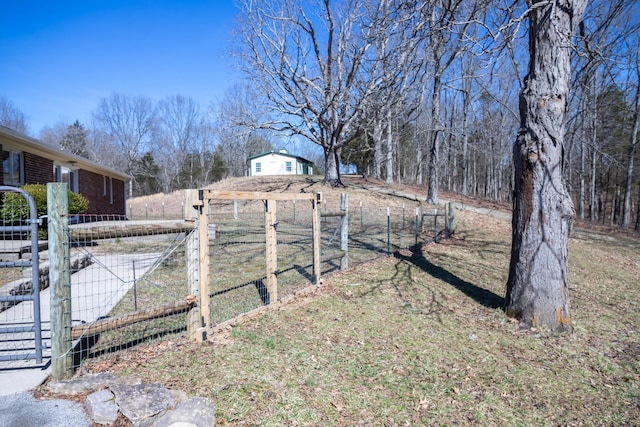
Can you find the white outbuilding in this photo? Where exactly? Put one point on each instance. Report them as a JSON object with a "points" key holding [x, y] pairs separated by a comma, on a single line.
{"points": [[279, 163]]}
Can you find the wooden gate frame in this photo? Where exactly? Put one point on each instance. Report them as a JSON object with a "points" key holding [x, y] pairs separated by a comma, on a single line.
{"points": [[270, 199]]}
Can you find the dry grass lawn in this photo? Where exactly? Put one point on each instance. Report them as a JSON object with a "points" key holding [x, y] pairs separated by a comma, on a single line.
{"points": [[419, 339]]}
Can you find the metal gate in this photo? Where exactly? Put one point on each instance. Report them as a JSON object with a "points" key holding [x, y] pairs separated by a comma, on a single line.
{"points": [[20, 323]]}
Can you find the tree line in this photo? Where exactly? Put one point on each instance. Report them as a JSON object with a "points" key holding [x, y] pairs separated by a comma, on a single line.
{"points": [[406, 91], [427, 92], [164, 146]]}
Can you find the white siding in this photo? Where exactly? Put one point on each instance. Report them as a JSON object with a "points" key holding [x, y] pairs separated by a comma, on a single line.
{"points": [[275, 164]]}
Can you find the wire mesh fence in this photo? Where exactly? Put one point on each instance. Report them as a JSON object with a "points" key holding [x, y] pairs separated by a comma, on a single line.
{"points": [[238, 260], [134, 286], [135, 281]]}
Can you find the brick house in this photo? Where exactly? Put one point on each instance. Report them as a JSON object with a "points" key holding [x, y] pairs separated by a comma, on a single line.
{"points": [[28, 161]]}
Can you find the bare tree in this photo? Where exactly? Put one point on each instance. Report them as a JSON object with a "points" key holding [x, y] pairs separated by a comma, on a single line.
{"points": [[179, 133], [307, 58], [237, 122], [449, 21], [395, 62], [626, 210], [12, 117], [538, 285], [53, 134], [128, 122]]}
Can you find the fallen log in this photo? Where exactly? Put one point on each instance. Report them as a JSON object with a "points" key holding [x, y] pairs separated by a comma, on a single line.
{"points": [[122, 320]]}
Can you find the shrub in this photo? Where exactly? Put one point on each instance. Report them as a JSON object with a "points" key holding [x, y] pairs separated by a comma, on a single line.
{"points": [[15, 208]]}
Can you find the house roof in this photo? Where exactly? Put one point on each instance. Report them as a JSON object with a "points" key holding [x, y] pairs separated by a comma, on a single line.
{"points": [[280, 153], [56, 154]]}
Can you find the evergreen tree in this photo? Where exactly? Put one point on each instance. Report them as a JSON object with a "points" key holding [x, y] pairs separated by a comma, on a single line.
{"points": [[75, 140]]}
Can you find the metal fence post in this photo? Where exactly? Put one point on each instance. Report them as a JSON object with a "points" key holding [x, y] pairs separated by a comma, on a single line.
{"points": [[59, 280], [389, 231], [315, 226], [344, 231], [417, 231]]}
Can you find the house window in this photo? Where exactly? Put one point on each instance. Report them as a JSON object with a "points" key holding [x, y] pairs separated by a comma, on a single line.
{"points": [[289, 167], [66, 175], [12, 168], [258, 167]]}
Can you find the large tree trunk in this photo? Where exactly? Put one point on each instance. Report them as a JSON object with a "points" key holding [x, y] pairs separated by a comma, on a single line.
{"points": [[465, 140], [434, 152], [626, 213], [390, 149], [332, 166], [638, 212], [538, 284], [378, 154]]}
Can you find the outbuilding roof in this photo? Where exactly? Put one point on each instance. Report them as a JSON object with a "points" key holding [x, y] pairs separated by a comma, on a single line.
{"points": [[281, 153]]}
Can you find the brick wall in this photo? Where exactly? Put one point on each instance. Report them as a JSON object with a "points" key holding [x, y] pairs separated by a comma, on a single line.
{"points": [[92, 186], [37, 170]]}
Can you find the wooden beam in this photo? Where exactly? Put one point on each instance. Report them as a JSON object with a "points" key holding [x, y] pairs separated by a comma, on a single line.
{"points": [[257, 195], [116, 229], [123, 320]]}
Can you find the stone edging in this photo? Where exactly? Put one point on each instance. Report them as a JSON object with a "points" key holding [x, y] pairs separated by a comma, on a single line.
{"points": [[143, 405]]}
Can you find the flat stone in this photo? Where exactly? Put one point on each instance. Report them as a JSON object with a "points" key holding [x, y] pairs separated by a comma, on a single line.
{"points": [[101, 407], [194, 412], [140, 403], [88, 383]]}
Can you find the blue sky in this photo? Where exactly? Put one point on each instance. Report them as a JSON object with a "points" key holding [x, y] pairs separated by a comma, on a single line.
{"points": [[59, 58]]}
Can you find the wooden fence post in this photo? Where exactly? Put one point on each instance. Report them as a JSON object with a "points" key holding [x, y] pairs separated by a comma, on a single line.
{"points": [[191, 207], [451, 225], [59, 280], [344, 231], [270, 225], [204, 322]]}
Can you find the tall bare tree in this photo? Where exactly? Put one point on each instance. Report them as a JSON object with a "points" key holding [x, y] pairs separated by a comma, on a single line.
{"points": [[538, 285], [237, 122], [178, 134], [449, 21], [626, 210], [306, 58], [128, 123]]}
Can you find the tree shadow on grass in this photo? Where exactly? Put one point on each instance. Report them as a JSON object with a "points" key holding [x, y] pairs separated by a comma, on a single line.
{"points": [[480, 295]]}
